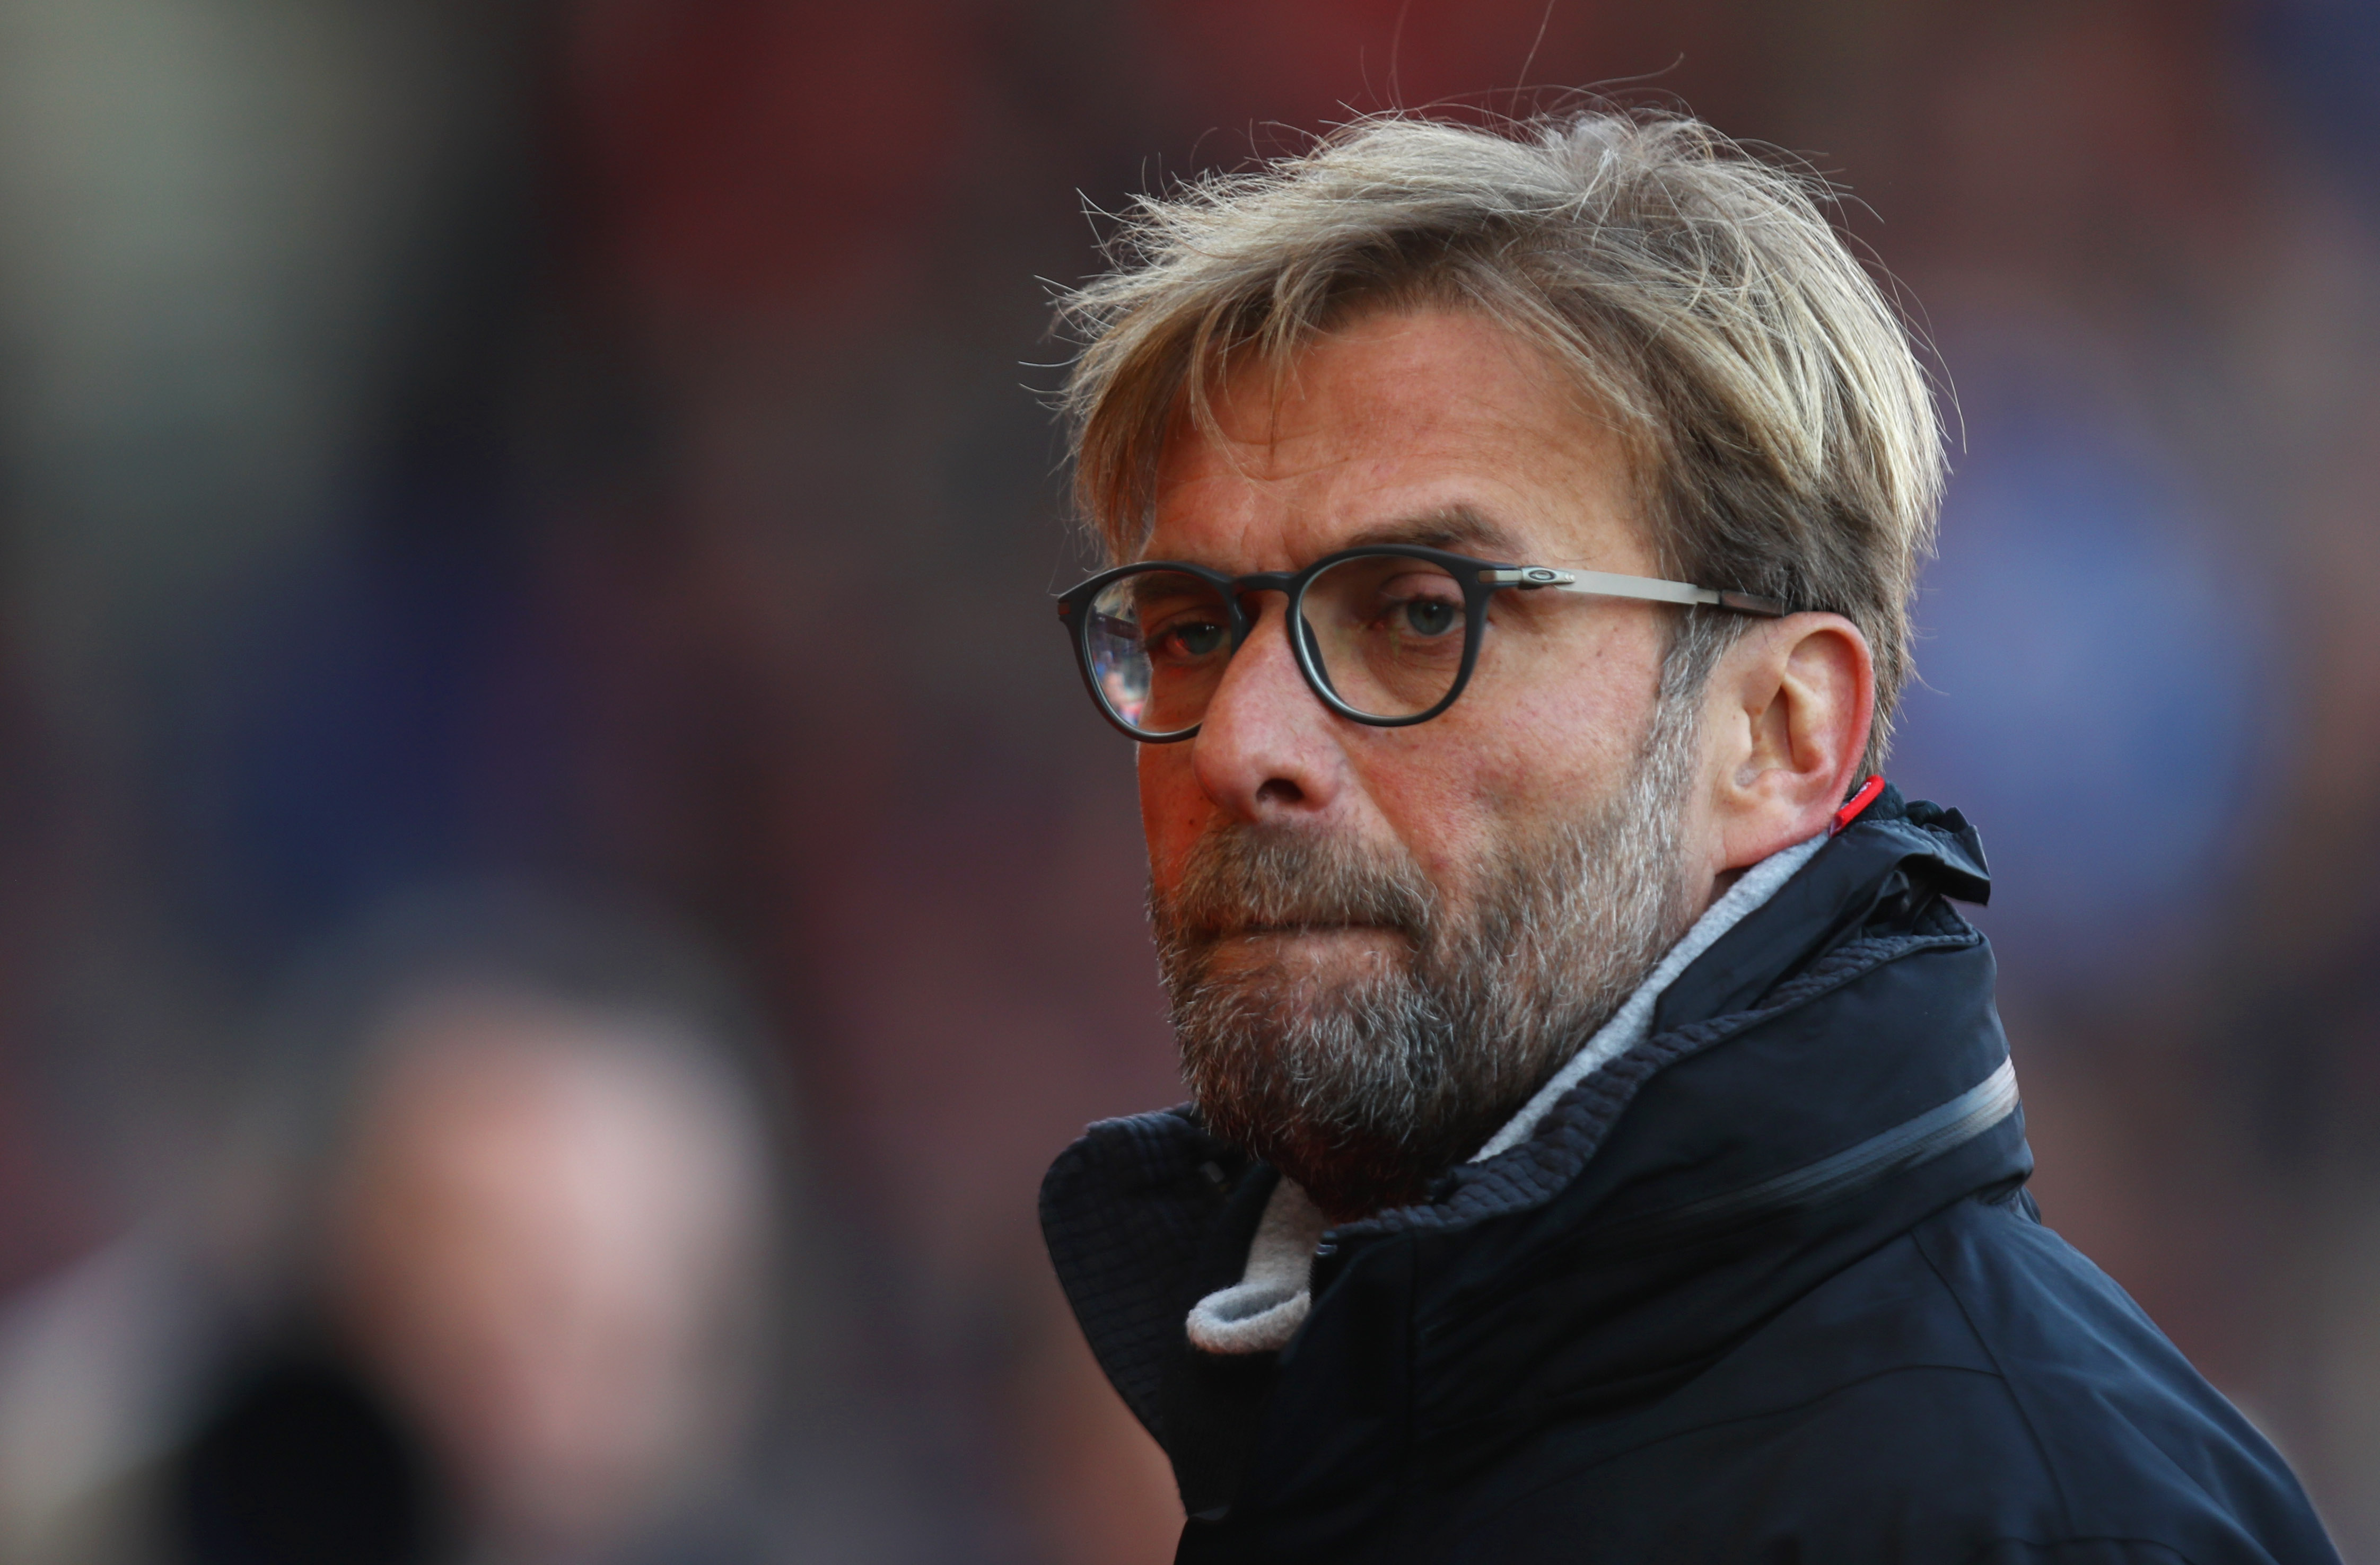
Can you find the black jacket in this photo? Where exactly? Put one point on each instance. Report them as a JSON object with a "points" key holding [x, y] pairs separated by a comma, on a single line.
{"points": [[1765, 1288]]}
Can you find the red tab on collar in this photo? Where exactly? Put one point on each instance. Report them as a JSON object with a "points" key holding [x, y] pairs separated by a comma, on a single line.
{"points": [[1857, 802]]}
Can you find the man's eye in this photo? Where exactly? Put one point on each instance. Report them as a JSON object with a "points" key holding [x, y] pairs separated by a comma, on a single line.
{"points": [[1431, 616], [1186, 639]]}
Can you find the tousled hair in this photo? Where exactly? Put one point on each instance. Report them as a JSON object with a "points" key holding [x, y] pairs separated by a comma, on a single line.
{"points": [[1785, 437]]}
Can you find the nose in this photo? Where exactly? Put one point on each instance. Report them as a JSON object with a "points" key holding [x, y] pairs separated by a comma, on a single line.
{"points": [[1266, 749]]}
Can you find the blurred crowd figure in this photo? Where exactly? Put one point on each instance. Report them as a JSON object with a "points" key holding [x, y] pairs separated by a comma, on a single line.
{"points": [[498, 1265]]}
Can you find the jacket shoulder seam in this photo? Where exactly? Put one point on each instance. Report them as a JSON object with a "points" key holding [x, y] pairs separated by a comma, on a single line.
{"points": [[1983, 1340]]}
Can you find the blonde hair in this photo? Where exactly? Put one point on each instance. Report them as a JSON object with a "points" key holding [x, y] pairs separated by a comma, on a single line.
{"points": [[1785, 437]]}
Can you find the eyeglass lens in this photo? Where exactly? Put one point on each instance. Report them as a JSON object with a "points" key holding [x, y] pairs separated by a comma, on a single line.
{"points": [[1158, 641], [1384, 633]]}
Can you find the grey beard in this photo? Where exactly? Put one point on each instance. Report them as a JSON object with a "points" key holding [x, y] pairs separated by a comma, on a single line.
{"points": [[1366, 1089]]}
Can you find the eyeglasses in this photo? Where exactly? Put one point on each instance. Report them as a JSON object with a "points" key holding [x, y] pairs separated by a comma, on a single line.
{"points": [[1386, 636]]}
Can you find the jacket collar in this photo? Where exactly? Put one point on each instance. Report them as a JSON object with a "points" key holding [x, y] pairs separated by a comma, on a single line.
{"points": [[1657, 1210]]}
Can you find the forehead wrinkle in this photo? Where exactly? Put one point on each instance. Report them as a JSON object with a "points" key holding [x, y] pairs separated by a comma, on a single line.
{"points": [[1358, 456], [1456, 527]]}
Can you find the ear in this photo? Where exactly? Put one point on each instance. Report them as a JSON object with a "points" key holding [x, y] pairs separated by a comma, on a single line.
{"points": [[1790, 708]]}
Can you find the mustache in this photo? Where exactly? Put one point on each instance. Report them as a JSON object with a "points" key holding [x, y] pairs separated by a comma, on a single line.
{"points": [[1251, 878]]}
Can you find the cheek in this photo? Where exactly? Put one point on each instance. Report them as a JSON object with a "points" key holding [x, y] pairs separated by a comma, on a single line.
{"points": [[1558, 732], [1443, 797], [1172, 807], [1453, 797]]}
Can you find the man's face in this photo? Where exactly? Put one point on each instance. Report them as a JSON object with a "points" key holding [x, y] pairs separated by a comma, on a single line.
{"points": [[543, 1223], [1433, 427]]}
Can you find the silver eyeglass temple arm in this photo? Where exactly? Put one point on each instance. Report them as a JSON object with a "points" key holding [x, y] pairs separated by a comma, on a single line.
{"points": [[1603, 584]]}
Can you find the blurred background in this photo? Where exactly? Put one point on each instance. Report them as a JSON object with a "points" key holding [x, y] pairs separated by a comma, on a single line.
{"points": [[532, 1000]]}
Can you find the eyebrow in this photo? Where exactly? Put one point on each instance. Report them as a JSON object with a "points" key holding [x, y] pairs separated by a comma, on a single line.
{"points": [[1454, 527]]}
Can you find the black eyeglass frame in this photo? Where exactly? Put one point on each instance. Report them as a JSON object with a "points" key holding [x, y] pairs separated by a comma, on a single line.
{"points": [[1479, 579]]}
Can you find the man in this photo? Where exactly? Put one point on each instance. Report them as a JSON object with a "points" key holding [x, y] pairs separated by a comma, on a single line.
{"points": [[1603, 1143]]}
